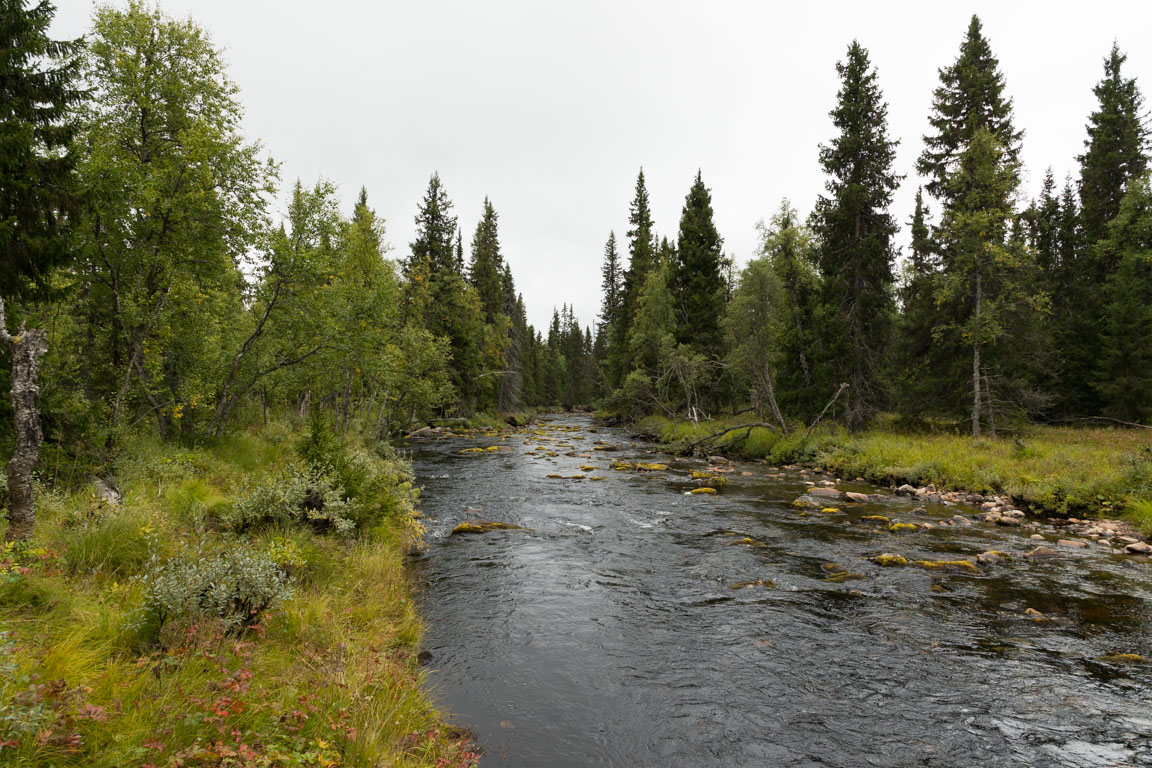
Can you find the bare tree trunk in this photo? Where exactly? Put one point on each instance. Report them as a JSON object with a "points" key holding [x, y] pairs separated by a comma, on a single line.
{"points": [[976, 389], [27, 349]]}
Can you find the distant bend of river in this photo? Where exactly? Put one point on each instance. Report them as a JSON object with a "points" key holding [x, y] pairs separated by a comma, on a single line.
{"points": [[609, 631]]}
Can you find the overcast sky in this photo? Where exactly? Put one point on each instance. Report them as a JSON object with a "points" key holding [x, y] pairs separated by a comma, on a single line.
{"points": [[551, 108]]}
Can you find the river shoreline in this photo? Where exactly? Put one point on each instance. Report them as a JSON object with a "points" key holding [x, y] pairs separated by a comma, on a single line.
{"points": [[1050, 472]]}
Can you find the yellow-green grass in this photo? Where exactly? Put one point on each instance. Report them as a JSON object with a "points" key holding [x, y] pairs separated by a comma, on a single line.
{"points": [[328, 678], [1054, 470]]}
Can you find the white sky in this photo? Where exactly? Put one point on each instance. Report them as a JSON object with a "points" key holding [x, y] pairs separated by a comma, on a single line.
{"points": [[550, 109]]}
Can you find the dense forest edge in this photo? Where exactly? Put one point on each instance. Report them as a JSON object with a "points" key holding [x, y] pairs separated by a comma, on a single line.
{"points": [[206, 522]]}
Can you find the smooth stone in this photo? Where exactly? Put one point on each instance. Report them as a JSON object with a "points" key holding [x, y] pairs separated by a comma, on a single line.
{"points": [[1072, 543], [827, 493], [1041, 552], [988, 558], [859, 497], [1139, 548]]}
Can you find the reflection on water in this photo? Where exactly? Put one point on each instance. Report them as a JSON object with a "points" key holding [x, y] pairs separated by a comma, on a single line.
{"points": [[609, 633]]}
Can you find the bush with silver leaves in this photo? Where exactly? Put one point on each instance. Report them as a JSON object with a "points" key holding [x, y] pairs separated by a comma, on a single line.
{"points": [[236, 585]]}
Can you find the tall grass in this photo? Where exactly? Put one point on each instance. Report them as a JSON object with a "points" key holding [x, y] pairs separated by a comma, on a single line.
{"points": [[1056, 470], [329, 678]]}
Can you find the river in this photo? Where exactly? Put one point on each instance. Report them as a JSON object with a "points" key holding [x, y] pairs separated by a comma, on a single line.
{"points": [[631, 624]]}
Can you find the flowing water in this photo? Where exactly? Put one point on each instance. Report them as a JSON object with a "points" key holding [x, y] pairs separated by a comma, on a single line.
{"points": [[609, 631]]}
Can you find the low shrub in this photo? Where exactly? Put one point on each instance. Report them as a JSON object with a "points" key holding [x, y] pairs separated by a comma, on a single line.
{"points": [[236, 586]]}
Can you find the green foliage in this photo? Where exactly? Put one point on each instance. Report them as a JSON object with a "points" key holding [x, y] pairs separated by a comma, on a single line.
{"points": [[236, 585], [854, 232], [38, 96], [293, 496], [23, 714], [696, 277], [970, 97]]}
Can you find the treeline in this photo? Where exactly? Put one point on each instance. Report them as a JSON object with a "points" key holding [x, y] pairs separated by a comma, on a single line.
{"points": [[1000, 311], [138, 232]]}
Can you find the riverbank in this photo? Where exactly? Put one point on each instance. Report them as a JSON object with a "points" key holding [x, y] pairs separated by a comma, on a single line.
{"points": [[228, 605], [1057, 471]]}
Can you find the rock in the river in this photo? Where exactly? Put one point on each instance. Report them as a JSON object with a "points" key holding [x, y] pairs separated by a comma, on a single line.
{"points": [[827, 493], [1139, 548], [422, 432], [484, 526], [858, 497], [1033, 612], [889, 559], [1072, 543], [990, 557], [1036, 537], [1041, 552], [1128, 539], [906, 490], [698, 491], [1012, 521]]}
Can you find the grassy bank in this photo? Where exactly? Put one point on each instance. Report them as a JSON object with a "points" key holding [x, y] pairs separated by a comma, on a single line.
{"points": [[244, 604], [1052, 470]]}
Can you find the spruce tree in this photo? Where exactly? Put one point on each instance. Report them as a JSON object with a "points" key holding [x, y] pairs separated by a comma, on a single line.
{"points": [[1124, 377], [486, 269], [970, 96], [855, 231], [698, 284], [1116, 151], [610, 284], [641, 252], [37, 95], [435, 231]]}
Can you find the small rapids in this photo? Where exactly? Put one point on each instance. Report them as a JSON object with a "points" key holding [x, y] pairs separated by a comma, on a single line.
{"points": [[631, 624]]}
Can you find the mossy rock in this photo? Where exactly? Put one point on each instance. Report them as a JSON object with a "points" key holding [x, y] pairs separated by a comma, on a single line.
{"points": [[940, 565], [554, 477], [578, 477], [876, 519], [484, 527], [472, 450], [652, 467], [621, 466], [1122, 658], [839, 578], [698, 475], [898, 527], [750, 542], [704, 491], [890, 560], [588, 468], [594, 477], [803, 503], [832, 510], [766, 583]]}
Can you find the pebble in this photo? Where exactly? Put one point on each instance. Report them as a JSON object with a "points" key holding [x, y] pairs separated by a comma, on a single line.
{"points": [[1033, 612], [1036, 537], [1072, 543]]}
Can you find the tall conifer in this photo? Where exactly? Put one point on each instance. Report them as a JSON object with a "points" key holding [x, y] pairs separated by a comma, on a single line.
{"points": [[855, 232], [970, 96], [697, 281]]}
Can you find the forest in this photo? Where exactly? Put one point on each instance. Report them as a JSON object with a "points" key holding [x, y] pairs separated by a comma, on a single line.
{"points": [[157, 311]]}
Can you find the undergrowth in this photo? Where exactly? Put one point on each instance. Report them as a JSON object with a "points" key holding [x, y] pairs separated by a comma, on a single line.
{"points": [[158, 632]]}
